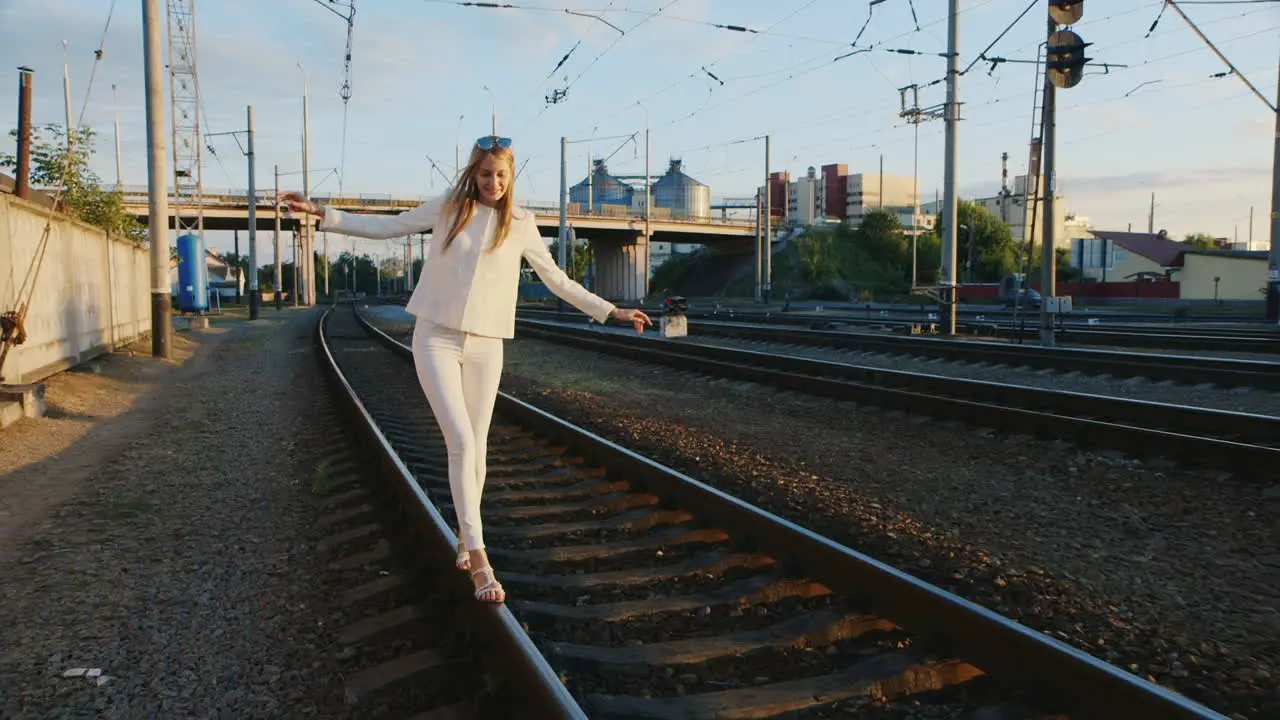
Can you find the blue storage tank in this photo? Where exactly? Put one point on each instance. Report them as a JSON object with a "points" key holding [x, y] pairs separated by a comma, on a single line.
{"points": [[193, 274]]}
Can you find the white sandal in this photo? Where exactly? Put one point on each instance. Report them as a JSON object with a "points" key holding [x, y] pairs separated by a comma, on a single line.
{"points": [[463, 560], [491, 591]]}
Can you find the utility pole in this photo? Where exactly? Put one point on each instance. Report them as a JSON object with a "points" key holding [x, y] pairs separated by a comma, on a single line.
{"points": [[297, 257], [1151, 216], [561, 248], [564, 202], [1273, 257], [119, 165], [307, 240], [648, 201], [951, 117], [760, 243], [279, 276], [157, 190], [235, 234], [22, 183], [66, 92], [255, 296], [1048, 269], [766, 250], [591, 202], [1064, 63]]}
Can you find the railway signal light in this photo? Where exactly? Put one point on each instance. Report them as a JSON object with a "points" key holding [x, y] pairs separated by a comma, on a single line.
{"points": [[1065, 59], [1066, 12]]}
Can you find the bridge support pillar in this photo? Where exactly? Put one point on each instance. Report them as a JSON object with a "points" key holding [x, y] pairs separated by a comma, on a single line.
{"points": [[622, 269]]}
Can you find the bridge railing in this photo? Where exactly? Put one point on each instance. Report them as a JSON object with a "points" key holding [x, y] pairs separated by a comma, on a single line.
{"points": [[137, 194]]}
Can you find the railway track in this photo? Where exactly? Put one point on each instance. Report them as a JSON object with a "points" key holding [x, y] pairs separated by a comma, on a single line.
{"points": [[1167, 336], [1246, 444], [652, 595], [1195, 370]]}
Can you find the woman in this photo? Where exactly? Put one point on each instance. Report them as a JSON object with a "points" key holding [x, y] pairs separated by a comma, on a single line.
{"points": [[465, 303]]}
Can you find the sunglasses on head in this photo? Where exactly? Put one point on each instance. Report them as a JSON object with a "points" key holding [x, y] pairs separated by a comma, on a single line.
{"points": [[489, 141]]}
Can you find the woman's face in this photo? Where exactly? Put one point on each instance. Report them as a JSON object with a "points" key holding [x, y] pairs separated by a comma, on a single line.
{"points": [[493, 178]]}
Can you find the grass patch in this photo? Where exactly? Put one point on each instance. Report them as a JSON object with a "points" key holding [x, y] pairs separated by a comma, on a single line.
{"points": [[323, 479]]}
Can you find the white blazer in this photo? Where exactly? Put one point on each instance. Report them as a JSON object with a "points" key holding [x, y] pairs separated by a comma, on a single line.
{"points": [[469, 287]]}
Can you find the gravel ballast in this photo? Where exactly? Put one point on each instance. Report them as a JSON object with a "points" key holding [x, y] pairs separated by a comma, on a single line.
{"points": [[159, 531], [1166, 572]]}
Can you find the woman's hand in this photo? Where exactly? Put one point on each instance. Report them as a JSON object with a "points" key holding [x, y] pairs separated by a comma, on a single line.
{"points": [[635, 317], [296, 202]]}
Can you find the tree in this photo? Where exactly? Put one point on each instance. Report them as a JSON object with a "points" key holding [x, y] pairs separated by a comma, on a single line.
{"points": [[928, 258], [880, 238], [819, 255], [984, 245], [1200, 241], [578, 262], [82, 195]]}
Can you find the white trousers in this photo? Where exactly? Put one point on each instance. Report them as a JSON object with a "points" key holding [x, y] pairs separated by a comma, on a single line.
{"points": [[459, 373]]}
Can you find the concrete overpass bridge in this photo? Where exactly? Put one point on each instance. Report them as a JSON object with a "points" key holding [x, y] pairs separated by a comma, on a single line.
{"points": [[622, 251]]}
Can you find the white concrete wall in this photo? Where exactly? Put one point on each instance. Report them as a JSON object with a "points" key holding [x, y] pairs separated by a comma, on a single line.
{"points": [[91, 295]]}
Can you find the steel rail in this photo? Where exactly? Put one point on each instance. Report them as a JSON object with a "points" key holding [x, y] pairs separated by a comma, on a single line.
{"points": [[1007, 650], [1207, 339], [1107, 422], [1189, 369], [509, 650]]}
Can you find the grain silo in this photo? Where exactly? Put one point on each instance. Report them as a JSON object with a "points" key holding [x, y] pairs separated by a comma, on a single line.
{"points": [[686, 197], [604, 189]]}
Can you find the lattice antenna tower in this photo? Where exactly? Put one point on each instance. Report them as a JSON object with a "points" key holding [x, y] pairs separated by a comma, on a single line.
{"points": [[184, 100]]}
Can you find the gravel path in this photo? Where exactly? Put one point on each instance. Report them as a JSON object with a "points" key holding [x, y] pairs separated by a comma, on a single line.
{"points": [[1163, 571], [159, 529], [1206, 395]]}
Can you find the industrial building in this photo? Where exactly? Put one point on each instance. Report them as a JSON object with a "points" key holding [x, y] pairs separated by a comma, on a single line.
{"points": [[806, 205], [833, 195]]}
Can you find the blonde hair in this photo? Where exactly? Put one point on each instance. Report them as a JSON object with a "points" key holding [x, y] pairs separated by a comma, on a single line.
{"points": [[466, 194]]}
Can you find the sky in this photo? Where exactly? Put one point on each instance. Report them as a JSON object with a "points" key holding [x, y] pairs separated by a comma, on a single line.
{"points": [[425, 75]]}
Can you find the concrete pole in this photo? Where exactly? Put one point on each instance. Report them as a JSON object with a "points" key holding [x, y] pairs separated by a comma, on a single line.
{"points": [[255, 296], [279, 276], [66, 100], [915, 201], [157, 188], [1273, 257], [759, 243], [648, 204], [564, 201], [235, 234], [952, 118], [766, 242], [296, 259], [22, 183], [119, 162], [1048, 269], [591, 201], [308, 236]]}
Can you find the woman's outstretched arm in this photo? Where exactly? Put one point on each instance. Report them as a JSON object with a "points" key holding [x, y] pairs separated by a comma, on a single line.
{"points": [[376, 227], [566, 288]]}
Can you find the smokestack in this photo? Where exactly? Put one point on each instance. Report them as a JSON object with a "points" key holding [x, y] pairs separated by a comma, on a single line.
{"points": [[23, 180]]}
